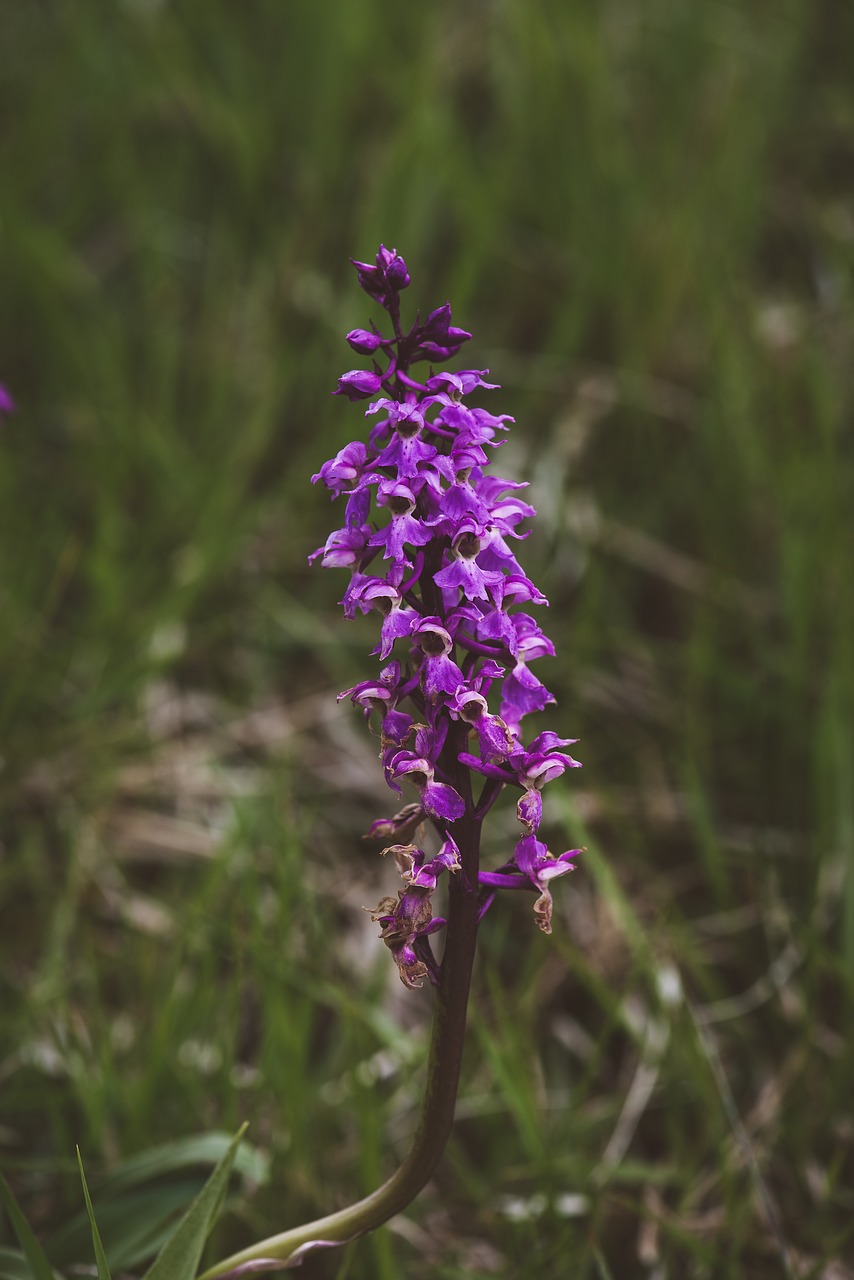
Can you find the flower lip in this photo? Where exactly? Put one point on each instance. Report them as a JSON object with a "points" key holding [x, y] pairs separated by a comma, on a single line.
{"points": [[472, 706], [369, 695], [398, 505], [467, 545], [433, 638], [381, 595], [519, 589], [418, 769], [406, 417], [545, 771]]}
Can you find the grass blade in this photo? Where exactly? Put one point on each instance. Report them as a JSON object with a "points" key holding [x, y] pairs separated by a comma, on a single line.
{"points": [[34, 1253], [100, 1256]]}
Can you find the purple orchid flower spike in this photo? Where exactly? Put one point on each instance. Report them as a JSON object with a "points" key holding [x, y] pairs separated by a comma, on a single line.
{"points": [[428, 539]]}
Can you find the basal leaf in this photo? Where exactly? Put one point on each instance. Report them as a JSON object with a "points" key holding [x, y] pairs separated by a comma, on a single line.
{"points": [[141, 1198], [203, 1149], [133, 1227], [179, 1257]]}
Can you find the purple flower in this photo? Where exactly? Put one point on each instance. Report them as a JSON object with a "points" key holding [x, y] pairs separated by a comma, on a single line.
{"points": [[405, 529], [428, 536], [407, 451], [438, 799], [366, 593], [539, 866], [339, 473], [439, 673], [376, 695], [464, 572], [343, 547], [7, 404], [496, 740]]}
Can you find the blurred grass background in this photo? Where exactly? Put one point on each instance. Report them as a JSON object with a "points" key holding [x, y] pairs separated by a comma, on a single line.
{"points": [[644, 215]]}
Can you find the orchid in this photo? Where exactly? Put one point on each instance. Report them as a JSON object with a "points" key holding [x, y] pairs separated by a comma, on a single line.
{"points": [[427, 536]]}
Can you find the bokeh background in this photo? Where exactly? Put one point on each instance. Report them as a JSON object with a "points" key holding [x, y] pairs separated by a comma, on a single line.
{"points": [[644, 214]]}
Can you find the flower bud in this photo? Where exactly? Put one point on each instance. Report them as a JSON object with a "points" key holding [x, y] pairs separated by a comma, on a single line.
{"points": [[364, 341], [358, 384], [371, 278], [397, 274]]}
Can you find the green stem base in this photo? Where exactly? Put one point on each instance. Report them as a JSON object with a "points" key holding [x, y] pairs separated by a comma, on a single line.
{"points": [[443, 1074]]}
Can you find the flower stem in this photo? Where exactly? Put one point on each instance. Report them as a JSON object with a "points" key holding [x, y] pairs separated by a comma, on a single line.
{"points": [[443, 1074]]}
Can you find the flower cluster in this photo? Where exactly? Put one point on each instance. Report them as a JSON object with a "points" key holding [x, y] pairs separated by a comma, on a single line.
{"points": [[437, 564]]}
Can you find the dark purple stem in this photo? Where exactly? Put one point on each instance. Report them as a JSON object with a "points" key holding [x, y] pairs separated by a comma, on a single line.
{"points": [[491, 791]]}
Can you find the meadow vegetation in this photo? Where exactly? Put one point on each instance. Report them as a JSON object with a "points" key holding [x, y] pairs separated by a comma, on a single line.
{"points": [[643, 214]]}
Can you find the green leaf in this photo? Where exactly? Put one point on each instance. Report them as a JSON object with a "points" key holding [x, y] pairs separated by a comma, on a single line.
{"points": [[203, 1149], [140, 1200], [179, 1257], [100, 1256], [39, 1266], [133, 1227]]}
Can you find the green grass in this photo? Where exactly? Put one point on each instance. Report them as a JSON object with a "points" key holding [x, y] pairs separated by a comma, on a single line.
{"points": [[643, 215]]}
